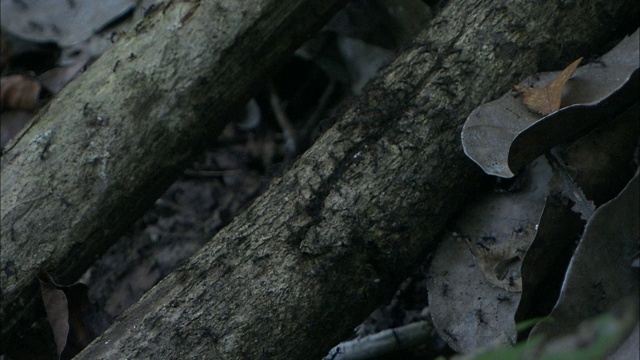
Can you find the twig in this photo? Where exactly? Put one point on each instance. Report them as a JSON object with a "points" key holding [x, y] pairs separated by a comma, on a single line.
{"points": [[322, 102], [571, 190], [384, 342], [287, 129]]}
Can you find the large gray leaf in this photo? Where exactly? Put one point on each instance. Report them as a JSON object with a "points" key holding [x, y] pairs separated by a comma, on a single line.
{"points": [[474, 281], [500, 226], [468, 312], [601, 271], [504, 135], [600, 162], [571, 122], [548, 256], [61, 21]]}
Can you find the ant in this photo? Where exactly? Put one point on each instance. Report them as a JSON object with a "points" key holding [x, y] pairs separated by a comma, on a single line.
{"points": [[480, 316], [482, 246], [512, 280], [445, 289], [488, 238], [449, 334]]}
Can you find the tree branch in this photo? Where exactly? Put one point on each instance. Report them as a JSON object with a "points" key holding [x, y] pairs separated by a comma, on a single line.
{"points": [[98, 155], [333, 237]]}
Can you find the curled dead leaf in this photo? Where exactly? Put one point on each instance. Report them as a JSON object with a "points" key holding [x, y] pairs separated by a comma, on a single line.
{"points": [[572, 122], [547, 258], [67, 310], [599, 162], [504, 135], [57, 308], [600, 272]]}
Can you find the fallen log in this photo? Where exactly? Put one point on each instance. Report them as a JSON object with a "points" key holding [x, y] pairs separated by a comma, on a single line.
{"points": [[333, 237], [98, 156]]}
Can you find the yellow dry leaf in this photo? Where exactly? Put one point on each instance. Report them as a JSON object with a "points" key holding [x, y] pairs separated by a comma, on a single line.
{"points": [[546, 100]]}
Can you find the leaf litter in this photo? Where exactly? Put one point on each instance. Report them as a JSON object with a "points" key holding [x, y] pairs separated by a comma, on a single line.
{"points": [[570, 284], [483, 278], [197, 205], [471, 275], [70, 315], [504, 135], [499, 270], [601, 271], [48, 21]]}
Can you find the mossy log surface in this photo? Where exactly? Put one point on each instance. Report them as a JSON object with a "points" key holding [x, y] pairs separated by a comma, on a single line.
{"points": [[98, 156], [332, 238]]}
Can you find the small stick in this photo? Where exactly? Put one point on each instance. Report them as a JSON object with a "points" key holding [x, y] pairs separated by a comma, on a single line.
{"points": [[287, 129]]}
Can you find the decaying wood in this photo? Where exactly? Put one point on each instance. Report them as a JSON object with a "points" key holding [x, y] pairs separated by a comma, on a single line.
{"points": [[332, 237], [99, 155]]}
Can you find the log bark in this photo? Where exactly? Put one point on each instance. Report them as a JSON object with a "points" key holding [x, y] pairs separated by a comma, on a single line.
{"points": [[334, 235], [98, 156]]}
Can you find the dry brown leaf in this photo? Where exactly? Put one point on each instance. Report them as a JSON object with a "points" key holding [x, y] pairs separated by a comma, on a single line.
{"points": [[504, 135], [19, 92], [57, 308], [546, 100], [66, 308]]}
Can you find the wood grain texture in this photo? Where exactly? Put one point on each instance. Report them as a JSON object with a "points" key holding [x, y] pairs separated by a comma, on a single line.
{"points": [[113, 140], [332, 238]]}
